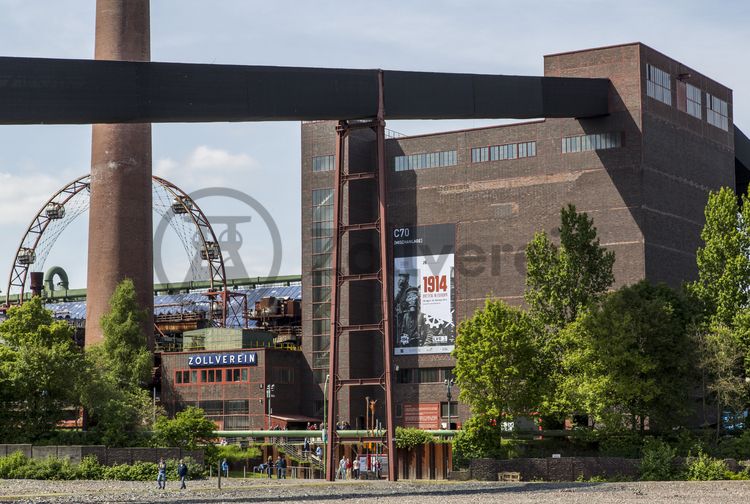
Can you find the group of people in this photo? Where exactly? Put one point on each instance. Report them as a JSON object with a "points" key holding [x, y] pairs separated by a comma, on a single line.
{"points": [[348, 469], [161, 474], [269, 465]]}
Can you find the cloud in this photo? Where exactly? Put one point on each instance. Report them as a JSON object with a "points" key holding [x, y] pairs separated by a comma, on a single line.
{"points": [[21, 196], [205, 167]]}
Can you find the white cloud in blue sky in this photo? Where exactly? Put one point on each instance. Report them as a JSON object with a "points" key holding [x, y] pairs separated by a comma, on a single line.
{"points": [[262, 159]]}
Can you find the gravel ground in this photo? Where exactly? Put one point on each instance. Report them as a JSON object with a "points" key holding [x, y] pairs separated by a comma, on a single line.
{"points": [[257, 491]]}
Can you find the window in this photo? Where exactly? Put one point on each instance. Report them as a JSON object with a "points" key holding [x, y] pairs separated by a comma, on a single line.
{"points": [[236, 422], [212, 407], [453, 409], [717, 112], [182, 377], [502, 152], [658, 84], [322, 163], [693, 97], [429, 375], [425, 160], [594, 141], [236, 407], [322, 245], [229, 374], [424, 375], [399, 410], [480, 154]]}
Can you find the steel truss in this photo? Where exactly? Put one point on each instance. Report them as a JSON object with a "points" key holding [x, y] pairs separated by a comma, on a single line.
{"points": [[381, 274]]}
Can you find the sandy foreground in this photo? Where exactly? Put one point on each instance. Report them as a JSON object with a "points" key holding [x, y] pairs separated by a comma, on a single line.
{"points": [[258, 490]]}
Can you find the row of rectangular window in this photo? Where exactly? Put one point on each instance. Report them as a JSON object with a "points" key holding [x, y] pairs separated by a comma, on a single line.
{"points": [[190, 376], [322, 163], [502, 152], [425, 160], [218, 407], [424, 375], [593, 141], [689, 98]]}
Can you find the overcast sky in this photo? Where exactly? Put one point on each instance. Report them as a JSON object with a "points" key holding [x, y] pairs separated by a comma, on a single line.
{"points": [[262, 159]]}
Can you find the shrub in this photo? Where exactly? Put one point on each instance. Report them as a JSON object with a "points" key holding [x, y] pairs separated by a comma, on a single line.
{"points": [[705, 468], [409, 438], [232, 453], [657, 463], [478, 439], [17, 466], [89, 468], [13, 466], [620, 444], [735, 447]]}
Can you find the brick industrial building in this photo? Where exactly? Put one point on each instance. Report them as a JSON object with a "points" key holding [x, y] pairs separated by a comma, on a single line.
{"points": [[467, 202]]}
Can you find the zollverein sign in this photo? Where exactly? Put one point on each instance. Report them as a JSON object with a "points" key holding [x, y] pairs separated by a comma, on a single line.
{"points": [[223, 359]]}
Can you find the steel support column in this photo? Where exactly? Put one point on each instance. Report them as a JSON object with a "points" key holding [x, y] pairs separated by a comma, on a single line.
{"points": [[381, 273]]}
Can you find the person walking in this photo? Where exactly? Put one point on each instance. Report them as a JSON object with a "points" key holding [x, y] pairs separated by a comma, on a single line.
{"points": [[348, 468], [161, 474], [355, 468], [225, 468], [319, 452], [182, 472], [269, 468], [278, 467], [342, 468], [283, 468]]}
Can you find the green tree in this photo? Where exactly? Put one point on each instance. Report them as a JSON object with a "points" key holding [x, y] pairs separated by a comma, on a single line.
{"points": [[561, 280], [630, 355], [721, 362], [40, 370], [118, 406], [723, 285], [125, 344], [188, 429], [500, 366]]}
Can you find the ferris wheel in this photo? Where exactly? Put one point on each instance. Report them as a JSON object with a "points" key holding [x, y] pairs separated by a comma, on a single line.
{"points": [[184, 216]]}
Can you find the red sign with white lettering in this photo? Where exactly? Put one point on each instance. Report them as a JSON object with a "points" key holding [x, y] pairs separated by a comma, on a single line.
{"points": [[422, 415]]}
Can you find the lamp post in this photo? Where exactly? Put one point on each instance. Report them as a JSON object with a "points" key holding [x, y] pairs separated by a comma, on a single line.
{"points": [[448, 386], [269, 394]]}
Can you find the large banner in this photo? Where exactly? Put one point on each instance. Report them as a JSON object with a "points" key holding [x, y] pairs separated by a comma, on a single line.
{"points": [[424, 300]]}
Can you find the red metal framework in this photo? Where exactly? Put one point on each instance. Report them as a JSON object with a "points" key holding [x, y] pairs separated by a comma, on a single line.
{"points": [[26, 252], [210, 249], [209, 246], [382, 274]]}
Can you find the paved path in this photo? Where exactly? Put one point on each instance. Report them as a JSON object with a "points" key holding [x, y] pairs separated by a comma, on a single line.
{"points": [[274, 491]]}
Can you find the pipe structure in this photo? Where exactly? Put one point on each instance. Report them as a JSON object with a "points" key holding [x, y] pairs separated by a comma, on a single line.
{"points": [[120, 224], [345, 434]]}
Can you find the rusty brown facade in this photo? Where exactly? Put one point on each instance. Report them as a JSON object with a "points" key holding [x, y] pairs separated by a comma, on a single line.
{"points": [[234, 394], [643, 173]]}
